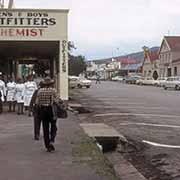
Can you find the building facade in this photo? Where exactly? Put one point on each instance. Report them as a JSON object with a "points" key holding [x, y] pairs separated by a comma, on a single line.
{"points": [[39, 34], [169, 55]]}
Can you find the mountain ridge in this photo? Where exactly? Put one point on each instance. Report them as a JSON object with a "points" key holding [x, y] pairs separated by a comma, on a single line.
{"points": [[138, 56]]}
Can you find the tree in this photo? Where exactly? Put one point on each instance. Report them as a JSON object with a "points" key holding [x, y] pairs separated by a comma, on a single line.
{"points": [[77, 64]]}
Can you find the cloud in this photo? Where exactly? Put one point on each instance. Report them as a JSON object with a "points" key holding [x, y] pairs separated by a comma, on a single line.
{"points": [[99, 27], [47, 4]]}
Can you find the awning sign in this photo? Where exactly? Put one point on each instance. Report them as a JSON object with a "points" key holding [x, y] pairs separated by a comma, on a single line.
{"points": [[29, 24]]}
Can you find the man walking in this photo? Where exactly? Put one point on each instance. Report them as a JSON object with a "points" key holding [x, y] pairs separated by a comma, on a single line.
{"points": [[98, 79], [46, 97]]}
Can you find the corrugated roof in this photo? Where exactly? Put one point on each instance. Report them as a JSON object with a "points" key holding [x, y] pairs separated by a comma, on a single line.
{"points": [[126, 60], [132, 66], [173, 42]]}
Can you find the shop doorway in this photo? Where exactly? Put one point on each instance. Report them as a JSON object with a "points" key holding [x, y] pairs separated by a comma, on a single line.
{"points": [[21, 58]]}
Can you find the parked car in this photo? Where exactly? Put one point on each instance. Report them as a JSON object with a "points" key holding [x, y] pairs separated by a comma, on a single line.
{"points": [[160, 81], [73, 81], [149, 81], [140, 81], [83, 82], [132, 79], [146, 81], [117, 78], [172, 82]]}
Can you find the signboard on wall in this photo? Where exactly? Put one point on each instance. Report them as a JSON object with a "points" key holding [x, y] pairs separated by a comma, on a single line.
{"points": [[33, 24]]}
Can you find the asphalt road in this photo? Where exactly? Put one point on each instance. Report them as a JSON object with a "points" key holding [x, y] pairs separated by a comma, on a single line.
{"points": [[148, 116]]}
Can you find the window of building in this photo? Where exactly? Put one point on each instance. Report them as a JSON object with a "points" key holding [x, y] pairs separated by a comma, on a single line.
{"points": [[169, 72], [175, 71]]}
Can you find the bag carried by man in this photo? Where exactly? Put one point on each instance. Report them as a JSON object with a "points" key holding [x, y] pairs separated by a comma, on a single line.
{"points": [[60, 109]]}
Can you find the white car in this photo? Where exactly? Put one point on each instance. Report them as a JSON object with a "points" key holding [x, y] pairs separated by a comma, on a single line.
{"points": [[140, 81], [146, 81], [73, 81], [83, 82], [172, 82], [160, 81], [117, 78]]}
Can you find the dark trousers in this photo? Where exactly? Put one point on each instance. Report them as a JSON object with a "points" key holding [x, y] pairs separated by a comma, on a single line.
{"points": [[49, 124], [12, 104], [37, 126], [20, 108], [98, 81]]}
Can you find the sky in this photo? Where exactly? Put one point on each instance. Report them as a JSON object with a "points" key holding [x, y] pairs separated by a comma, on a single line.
{"points": [[106, 28]]}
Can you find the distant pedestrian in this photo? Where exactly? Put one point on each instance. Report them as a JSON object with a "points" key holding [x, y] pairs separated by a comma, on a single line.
{"points": [[2, 92], [30, 87], [46, 97], [19, 95], [98, 79], [35, 109], [11, 91]]}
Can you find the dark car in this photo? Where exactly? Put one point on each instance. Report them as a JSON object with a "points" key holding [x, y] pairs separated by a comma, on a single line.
{"points": [[132, 79]]}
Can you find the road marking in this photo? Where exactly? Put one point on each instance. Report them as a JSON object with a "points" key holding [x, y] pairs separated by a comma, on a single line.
{"points": [[161, 145], [138, 107], [125, 103], [133, 114], [149, 124]]}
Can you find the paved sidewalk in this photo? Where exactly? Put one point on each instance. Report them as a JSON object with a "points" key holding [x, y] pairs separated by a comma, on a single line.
{"points": [[22, 158]]}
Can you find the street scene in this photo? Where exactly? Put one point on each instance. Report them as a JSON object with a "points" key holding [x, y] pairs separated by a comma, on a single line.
{"points": [[89, 90], [147, 116]]}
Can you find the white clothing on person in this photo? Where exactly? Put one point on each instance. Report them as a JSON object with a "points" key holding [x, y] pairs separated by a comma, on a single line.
{"points": [[30, 87], [11, 90], [19, 96], [2, 90]]}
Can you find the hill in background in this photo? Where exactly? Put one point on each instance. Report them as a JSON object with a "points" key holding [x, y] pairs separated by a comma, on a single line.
{"points": [[138, 56]]}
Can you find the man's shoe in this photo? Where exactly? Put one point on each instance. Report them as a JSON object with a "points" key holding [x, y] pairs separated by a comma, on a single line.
{"points": [[51, 148], [36, 138]]}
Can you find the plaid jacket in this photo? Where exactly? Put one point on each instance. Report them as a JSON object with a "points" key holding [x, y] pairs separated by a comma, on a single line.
{"points": [[46, 96]]}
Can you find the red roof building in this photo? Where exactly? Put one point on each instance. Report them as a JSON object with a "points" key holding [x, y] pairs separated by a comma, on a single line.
{"points": [[169, 55]]}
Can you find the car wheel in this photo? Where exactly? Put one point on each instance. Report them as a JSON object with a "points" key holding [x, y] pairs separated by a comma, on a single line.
{"points": [[87, 86], [165, 87], [79, 86]]}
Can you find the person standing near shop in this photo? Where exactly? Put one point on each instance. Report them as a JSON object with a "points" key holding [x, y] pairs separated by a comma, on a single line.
{"points": [[46, 97], [2, 92], [30, 87], [10, 97], [19, 95]]}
